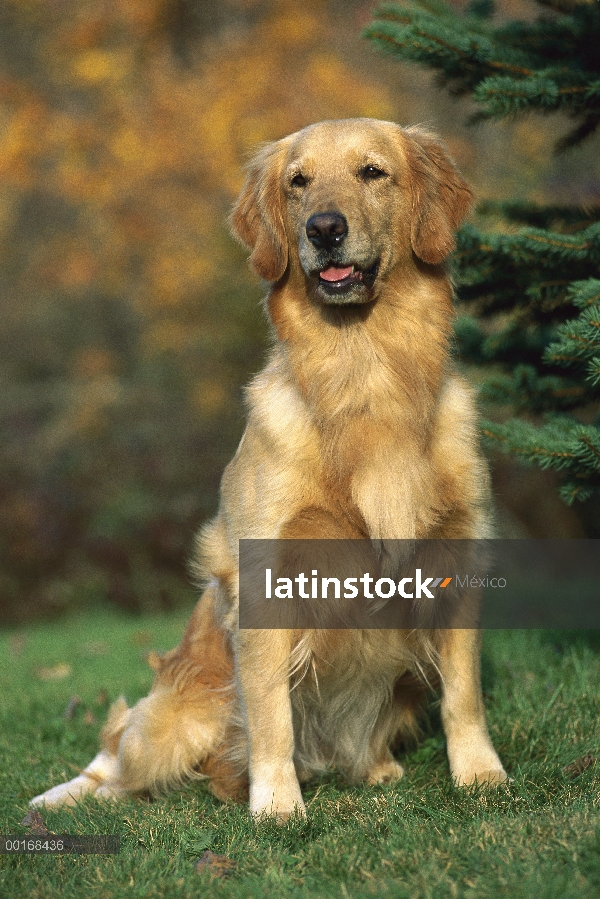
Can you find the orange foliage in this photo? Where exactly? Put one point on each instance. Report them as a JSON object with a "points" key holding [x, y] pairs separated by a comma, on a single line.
{"points": [[130, 315], [148, 151]]}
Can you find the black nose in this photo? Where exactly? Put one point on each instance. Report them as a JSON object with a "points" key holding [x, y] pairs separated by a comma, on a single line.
{"points": [[326, 230]]}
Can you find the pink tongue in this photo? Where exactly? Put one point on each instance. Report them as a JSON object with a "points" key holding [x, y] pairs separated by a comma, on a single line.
{"points": [[336, 274]]}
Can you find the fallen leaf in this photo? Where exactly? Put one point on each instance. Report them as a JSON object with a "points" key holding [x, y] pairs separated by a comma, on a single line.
{"points": [[141, 638], [34, 821], [89, 718], [579, 766], [102, 697], [54, 672], [217, 865]]}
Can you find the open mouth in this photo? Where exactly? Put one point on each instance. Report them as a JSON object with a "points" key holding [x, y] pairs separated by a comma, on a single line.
{"points": [[336, 280]]}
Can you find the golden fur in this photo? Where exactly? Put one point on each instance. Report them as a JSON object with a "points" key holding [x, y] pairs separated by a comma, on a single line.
{"points": [[357, 427]]}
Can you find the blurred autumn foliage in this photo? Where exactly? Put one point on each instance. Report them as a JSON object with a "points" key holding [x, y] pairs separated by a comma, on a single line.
{"points": [[129, 317]]}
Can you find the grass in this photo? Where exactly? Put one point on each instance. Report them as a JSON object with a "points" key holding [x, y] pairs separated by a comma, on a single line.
{"points": [[537, 838]]}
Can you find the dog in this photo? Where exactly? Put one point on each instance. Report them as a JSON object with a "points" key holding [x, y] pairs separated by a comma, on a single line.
{"points": [[358, 428]]}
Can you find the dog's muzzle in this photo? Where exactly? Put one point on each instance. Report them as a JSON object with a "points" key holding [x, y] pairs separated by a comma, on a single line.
{"points": [[339, 280]]}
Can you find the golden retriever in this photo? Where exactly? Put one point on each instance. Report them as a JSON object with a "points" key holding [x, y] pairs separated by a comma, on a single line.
{"points": [[358, 427]]}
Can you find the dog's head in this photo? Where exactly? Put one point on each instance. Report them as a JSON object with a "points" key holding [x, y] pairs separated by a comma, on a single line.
{"points": [[342, 203]]}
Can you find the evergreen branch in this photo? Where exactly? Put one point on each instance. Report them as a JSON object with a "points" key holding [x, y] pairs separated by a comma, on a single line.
{"points": [[551, 217], [593, 371], [503, 345], [577, 135], [525, 389], [506, 68], [548, 295], [440, 42], [578, 339], [570, 491], [542, 452], [593, 449], [530, 246], [509, 67], [524, 442], [505, 96], [413, 41], [556, 242], [534, 291], [569, 37], [561, 444], [585, 293]]}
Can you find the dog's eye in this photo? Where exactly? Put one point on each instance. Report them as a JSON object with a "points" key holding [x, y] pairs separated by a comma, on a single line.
{"points": [[298, 180], [372, 172]]}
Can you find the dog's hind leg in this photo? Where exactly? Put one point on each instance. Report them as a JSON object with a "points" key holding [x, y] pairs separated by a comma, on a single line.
{"points": [[102, 771], [180, 728]]}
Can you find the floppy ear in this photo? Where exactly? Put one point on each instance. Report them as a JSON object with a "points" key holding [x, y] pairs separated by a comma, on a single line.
{"points": [[441, 198], [257, 217]]}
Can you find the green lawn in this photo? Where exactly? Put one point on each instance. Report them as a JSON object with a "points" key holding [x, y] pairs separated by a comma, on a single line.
{"points": [[537, 838]]}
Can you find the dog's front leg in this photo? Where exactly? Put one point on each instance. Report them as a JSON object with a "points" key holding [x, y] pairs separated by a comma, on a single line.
{"points": [[470, 752], [262, 659]]}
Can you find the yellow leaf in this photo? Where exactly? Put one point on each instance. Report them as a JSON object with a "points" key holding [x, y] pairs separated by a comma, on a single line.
{"points": [[96, 65], [55, 672]]}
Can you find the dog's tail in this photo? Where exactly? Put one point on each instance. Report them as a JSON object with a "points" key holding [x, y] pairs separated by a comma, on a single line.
{"points": [[173, 732]]}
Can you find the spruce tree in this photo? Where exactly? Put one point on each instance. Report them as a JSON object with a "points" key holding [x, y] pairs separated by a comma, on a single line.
{"points": [[531, 286]]}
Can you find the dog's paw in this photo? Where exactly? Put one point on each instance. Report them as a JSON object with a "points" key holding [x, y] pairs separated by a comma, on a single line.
{"points": [[473, 760], [100, 777], [281, 814], [385, 772], [277, 797], [483, 777], [279, 807], [69, 793]]}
